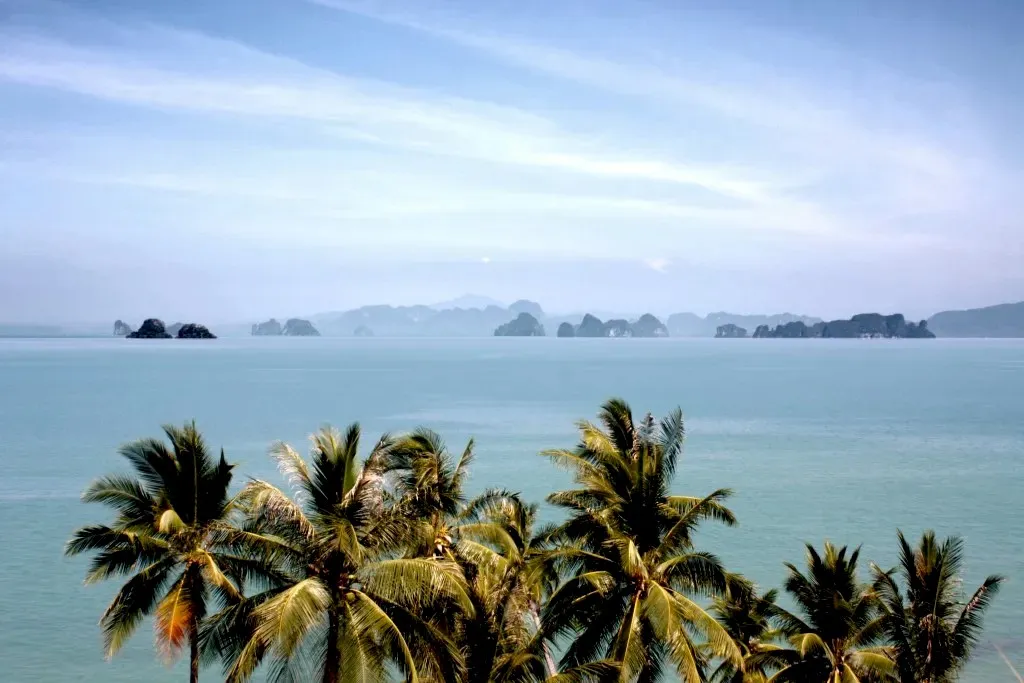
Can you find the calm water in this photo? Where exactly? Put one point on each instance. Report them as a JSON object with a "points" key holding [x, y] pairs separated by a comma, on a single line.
{"points": [[819, 439]]}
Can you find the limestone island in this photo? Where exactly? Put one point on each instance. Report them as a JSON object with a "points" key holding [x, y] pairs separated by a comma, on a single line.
{"points": [[730, 331], [524, 325], [121, 328], [194, 331], [861, 326], [293, 327], [153, 328], [646, 325]]}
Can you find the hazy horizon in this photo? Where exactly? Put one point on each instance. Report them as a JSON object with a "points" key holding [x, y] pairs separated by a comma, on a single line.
{"points": [[228, 160]]}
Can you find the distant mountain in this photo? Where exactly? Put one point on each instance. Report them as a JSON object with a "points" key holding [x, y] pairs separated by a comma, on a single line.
{"points": [[592, 326], [424, 321], [1004, 320], [525, 325], [692, 325], [860, 326], [469, 301]]}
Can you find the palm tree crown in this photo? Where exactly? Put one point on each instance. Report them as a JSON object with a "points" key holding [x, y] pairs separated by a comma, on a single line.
{"points": [[931, 626], [340, 600], [169, 518], [836, 637], [627, 552], [752, 622]]}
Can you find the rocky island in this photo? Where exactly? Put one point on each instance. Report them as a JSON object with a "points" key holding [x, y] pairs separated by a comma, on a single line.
{"points": [[362, 331], [861, 326], [524, 325], [121, 328], [194, 331], [646, 325], [152, 328], [297, 327], [271, 328], [293, 327], [590, 327], [730, 331]]}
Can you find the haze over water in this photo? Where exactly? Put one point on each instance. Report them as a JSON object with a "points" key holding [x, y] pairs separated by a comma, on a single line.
{"points": [[831, 439]]}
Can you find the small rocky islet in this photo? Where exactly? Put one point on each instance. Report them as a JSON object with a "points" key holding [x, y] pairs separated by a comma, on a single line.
{"points": [[154, 328], [293, 327]]}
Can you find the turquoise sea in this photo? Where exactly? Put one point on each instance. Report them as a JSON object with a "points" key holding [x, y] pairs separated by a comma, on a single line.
{"points": [[845, 440]]}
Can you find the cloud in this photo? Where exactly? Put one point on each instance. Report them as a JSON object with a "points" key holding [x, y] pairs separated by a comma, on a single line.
{"points": [[659, 265], [257, 84], [394, 154], [833, 131]]}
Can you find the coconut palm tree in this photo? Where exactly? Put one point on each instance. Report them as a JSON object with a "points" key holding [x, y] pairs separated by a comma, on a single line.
{"points": [[752, 622], [496, 544], [429, 489], [932, 628], [490, 537], [343, 601], [627, 553], [169, 517], [837, 636]]}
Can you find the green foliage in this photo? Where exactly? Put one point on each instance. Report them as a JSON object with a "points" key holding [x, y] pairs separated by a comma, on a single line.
{"points": [[339, 600], [382, 568], [168, 518], [627, 555], [931, 626], [838, 635]]}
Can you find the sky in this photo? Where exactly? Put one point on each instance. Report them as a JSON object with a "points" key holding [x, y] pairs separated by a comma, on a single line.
{"points": [[236, 159]]}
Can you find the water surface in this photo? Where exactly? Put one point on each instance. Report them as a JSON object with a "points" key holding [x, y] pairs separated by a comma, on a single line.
{"points": [[838, 439]]}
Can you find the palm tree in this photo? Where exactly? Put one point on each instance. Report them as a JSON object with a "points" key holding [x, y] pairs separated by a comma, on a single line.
{"points": [[628, 557], [429, 489], [930, 625], [342, 600], [490, 537], [169, 517], [498, 548], [836, 639], [752, 622]]}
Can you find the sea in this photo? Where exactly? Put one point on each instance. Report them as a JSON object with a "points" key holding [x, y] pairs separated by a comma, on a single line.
{"points": [[845, 440]]}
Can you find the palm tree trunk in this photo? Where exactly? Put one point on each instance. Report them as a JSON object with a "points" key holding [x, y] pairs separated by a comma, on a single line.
{"points": [[332, 662], [549, 661], [193, 655]]}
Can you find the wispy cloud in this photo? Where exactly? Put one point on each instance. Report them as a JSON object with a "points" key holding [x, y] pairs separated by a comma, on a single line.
{"points": [[265, 85], [835, 133], [816, 171]]}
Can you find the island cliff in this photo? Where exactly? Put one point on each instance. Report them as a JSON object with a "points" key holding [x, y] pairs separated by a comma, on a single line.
{"points": [[297, 327], [293, 327], [194, 331], [152, 328], [730, 331], [525, 325], [271, 328], [646, 325], [861, 326]]}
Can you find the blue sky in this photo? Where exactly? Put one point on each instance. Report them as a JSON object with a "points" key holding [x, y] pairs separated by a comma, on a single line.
{"points": [[241, 159]]}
